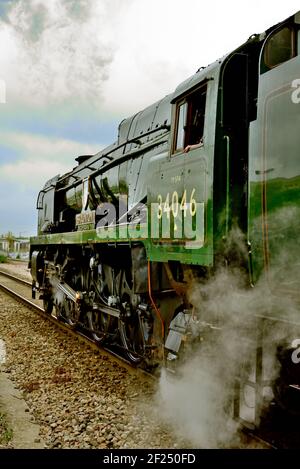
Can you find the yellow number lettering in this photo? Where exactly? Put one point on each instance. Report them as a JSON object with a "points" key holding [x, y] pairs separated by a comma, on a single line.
{"points": [[175, 204], [183, 206], [167, 206], [193, 204], [159, 211]]}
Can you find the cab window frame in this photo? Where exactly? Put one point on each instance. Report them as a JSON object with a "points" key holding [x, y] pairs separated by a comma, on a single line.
{"points": [[266, 64], [188, 100], [179, 105]]}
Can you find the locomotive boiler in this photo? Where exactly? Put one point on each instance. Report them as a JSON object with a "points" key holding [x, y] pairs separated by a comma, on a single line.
{"points": [[125, 235]]}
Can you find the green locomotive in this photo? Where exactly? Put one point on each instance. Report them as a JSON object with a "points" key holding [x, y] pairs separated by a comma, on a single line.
{"points": [[207, 177]]}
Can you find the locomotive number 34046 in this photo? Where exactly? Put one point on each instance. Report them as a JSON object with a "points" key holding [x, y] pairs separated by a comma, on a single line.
{"points": [[172, 204]]}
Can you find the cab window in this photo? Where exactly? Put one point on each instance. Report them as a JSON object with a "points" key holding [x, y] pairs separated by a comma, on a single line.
{"points": [[279, 48], [189, 119]]}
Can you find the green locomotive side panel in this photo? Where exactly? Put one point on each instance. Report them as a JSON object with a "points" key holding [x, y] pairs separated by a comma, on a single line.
{"points": [[274, 174], [181, 209], [180, 186]]}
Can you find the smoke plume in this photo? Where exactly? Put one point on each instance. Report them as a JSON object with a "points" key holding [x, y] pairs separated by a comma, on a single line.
{"points": [[198, 401]]}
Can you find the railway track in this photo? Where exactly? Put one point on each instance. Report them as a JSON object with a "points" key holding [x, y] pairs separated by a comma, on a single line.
{"points": [[20, 290], [81, 395], [23, 294], [9, 281]]}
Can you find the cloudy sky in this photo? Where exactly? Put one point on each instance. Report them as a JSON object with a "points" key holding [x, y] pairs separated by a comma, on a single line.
{"points": [[71, 70]]}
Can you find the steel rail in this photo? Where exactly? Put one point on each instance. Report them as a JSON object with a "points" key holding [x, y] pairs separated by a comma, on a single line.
{"points": [[14, 277]]}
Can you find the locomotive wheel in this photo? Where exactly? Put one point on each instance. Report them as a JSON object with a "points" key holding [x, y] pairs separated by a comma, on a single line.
{"points": [[129, 325], [71, 314], [130, 334], [60, 311], [65, 311], [98, 324], [48, 305]]}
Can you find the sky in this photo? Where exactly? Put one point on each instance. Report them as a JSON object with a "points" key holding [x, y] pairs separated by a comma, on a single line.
{"points": [[71, 70]]}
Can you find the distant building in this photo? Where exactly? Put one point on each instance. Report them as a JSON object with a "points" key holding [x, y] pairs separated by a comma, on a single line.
{"points": [[21, 245], [4, 244], [14, 245]]}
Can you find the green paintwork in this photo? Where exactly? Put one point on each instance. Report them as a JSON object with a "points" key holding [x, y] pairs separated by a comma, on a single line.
{"points": [[274, 170], [189, 172]]}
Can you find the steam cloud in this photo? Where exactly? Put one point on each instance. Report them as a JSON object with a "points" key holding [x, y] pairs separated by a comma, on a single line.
{"points": [[56, 50], [198, 401]]}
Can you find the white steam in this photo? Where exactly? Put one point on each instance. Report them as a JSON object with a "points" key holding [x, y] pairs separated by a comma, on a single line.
{"points": [[198, 401], [56, 50]]}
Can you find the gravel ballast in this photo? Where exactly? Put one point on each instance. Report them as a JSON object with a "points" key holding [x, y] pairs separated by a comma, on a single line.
{"points": [[18, 268], [80, 397]]}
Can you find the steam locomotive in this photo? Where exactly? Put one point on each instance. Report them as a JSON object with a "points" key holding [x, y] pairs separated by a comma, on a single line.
{"points": [[124, 236]]}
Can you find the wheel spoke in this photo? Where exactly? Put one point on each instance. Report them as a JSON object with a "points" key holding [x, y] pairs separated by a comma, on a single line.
{"points": [[68, 311], [48, 305], [98, 324], [129, 325], [71, 312]]}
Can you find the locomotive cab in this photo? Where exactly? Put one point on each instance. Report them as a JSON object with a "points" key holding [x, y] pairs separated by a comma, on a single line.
{"points": [[46, 206]]}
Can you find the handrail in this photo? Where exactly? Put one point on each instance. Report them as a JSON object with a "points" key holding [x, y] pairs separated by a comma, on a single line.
{"points": [[114, 162], [106, 155], [227, 138]]}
